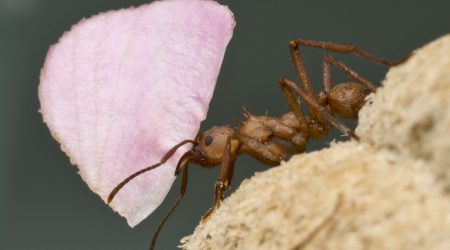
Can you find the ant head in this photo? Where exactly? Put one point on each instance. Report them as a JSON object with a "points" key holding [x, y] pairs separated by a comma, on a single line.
{"points": [[211, 145]]}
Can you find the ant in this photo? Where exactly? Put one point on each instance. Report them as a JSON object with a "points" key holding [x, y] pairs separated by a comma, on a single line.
{"points": [[255, 136]]}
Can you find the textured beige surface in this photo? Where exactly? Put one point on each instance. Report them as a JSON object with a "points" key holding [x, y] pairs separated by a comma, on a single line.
{"points": [[410, 114], [381, 193], [385, 204]]}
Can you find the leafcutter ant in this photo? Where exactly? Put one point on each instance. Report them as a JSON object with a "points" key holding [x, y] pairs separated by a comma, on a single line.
{"points": [[255, 135]]}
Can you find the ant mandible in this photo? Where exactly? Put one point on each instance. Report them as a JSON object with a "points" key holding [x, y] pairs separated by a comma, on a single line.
{"points": [[220, 145]]}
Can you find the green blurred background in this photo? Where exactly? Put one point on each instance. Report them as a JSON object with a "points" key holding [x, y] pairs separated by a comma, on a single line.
{"points": [[44, 204]]}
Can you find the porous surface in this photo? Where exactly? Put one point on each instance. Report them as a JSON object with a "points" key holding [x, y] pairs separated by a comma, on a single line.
{"points": [[410, 114], [379, 193], [384, 204]]}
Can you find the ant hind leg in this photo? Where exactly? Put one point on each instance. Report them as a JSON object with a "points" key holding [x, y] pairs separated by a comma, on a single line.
{"points": [[344, 48], [330, 60], [314, 105]]}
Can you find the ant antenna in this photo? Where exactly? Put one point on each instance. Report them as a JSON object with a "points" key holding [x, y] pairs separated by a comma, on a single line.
{"points": [[182, 165], [163, 160]]}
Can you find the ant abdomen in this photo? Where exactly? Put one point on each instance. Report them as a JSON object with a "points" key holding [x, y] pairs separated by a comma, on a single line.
{"points": [[346, 99]]}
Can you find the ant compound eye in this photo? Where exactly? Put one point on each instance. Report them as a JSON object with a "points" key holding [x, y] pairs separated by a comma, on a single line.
{"points": [[208, 140]]}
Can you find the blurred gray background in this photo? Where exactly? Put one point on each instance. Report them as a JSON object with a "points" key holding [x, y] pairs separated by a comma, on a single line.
{"points": [[44, 204]]}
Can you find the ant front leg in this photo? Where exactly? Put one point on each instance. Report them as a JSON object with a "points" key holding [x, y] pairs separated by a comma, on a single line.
{"points": [[225, 176]]}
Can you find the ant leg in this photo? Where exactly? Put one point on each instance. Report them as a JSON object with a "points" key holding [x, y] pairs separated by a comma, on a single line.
{"points": [[314, 105], [265, 127], [327, 85], [225, 176], [313, 126], [346, 98], [294, 104], [344, 48], [175, 204], [269, 153], [326, 72], [300, 69], [288, 132], [329, 60], [302, 74]]}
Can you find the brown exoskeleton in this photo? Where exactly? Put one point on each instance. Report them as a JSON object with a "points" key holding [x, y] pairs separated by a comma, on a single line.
{"points": [[255, 135]]}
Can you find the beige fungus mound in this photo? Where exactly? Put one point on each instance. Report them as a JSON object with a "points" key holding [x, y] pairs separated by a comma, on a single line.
{"points": [[410, 114], [386, 191]]}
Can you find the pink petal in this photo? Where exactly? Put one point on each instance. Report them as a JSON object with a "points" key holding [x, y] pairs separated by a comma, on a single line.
{"points": [[123, 87]]}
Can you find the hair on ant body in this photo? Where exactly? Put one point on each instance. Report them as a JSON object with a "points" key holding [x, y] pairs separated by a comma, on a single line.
{"points": [[220, 145]]}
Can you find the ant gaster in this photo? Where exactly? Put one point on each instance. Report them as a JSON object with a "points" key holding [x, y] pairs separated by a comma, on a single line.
{"points": [[221, 145]]}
